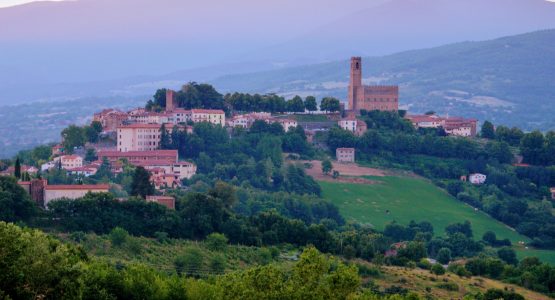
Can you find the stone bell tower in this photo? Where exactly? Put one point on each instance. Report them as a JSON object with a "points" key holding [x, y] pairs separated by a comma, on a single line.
{"points": [[355, 83]]}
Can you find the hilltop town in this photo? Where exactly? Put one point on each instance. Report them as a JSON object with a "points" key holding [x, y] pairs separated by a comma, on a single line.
{"points": [[136, 136], [360, 178]]}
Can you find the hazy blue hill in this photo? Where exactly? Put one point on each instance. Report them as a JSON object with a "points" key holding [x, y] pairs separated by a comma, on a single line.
{"points": [[518, 72]]}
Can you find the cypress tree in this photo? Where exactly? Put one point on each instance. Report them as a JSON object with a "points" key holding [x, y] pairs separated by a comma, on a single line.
{"points": [[17, 171]]}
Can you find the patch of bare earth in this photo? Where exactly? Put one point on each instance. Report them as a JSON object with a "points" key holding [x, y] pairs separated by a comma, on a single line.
{"points": [[348, 172]]}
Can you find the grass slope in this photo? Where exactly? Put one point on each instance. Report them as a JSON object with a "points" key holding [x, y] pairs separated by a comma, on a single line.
{"points": [[425, 284], [409, 198]]}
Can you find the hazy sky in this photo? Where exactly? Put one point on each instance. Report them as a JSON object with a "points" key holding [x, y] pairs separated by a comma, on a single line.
{"points": [[6, 3]]}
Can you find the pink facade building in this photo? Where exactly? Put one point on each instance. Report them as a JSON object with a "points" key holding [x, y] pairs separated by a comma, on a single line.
{"points": [[345, 154]]}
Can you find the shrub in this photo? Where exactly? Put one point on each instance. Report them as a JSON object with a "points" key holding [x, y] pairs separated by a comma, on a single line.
{"points": [[218, 263], [366, 271], [161, 236], [189, 262], [450, 286], [424, 264], [444, 256], [134, 245], [118, 236], [437, 269], [216, 242]]}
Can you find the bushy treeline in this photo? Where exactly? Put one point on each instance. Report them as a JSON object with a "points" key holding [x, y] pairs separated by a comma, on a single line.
{"points": [[535, 147], [276, 104], [253, 157], [35, 266], [195, 95], [191, 95]]}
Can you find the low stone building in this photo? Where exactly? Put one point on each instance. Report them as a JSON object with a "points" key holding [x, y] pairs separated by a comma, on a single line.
{"points": [[42, 193], [553, 193], [167, 201], [345, 154]]}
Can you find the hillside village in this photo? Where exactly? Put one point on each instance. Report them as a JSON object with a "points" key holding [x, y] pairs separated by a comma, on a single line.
{"points": [[366, 181], [135, 136]]}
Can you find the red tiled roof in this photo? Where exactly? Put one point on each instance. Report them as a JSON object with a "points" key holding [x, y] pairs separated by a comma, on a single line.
{"points": [[346, 149], [207, 111], [78, 187], [71, 156], [77, 169], [111, 153], [140, 125], [423, 118]]}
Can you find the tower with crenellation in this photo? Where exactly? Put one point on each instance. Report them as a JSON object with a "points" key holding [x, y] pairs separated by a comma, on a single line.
{"points": [[369, 97]]}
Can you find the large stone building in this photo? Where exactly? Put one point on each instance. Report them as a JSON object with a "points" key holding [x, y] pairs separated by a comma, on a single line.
{"points": [[369, 97], [138, 137]]}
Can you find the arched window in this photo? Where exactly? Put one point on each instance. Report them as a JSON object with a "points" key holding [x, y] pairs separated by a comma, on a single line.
{"points": [[356, 66]]}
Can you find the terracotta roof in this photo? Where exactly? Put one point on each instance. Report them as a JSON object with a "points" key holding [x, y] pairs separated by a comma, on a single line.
{"points": [[111, 153], [346, 149], [78, 187], [71, 156], [140, 125], [424, 118], [207, 111], [77, 169]]}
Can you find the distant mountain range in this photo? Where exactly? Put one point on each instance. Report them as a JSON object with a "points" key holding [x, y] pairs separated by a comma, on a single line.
{"points": [[88, 48], [509, 80]]}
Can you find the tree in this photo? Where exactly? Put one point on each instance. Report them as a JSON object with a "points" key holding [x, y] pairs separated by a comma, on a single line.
{"points": [[141, 185], [35, 266], [118, 236], [330, 104], [508, 255], [310, 103], [15, 204], [295, 105], [464, 228], [92, 131], [444, 256], [216, 242], [437, 269], [490, 238], [73, 136], [91, 155], [17, 168], [165, 140], [488, 131], [326, 166], [531, 147]]}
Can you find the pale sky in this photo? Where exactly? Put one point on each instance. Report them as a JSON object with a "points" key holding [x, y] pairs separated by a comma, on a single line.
{"points": [[6, 3]]}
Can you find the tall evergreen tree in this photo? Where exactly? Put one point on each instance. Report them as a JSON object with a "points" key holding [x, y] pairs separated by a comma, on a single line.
{"points": [[141, 185], [17, 171], [165, 141], [488, 132]]}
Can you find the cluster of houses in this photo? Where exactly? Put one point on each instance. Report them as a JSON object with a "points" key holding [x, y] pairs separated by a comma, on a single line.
{"points": [[456, 126], [137, 133]]}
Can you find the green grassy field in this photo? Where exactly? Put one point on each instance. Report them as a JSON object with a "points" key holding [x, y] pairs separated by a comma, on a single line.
{"points": [[547, 256], [402, 199]]}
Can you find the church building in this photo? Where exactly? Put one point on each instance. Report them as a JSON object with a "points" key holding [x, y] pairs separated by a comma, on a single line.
{"points": [[370, 97]]}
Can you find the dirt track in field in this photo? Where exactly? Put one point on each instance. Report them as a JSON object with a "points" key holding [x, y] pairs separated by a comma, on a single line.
{"points": [[348, 172]]}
